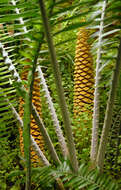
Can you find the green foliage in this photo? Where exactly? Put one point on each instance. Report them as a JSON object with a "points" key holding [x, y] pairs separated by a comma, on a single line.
{"points": [[86, 178], [9, 155], [84, 125], [65, 21]]}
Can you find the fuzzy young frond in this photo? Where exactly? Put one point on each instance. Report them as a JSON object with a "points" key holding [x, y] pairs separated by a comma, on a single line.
{"points": [[94, 144], [54, 116]]}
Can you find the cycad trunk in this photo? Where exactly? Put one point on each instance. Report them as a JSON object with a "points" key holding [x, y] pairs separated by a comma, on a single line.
{"points": [[83, 82], [35, 132]]}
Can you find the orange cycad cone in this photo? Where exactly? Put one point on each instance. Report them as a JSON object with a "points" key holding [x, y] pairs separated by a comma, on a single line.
{"points": [[83, 92], [35, 132], [83, 74]]}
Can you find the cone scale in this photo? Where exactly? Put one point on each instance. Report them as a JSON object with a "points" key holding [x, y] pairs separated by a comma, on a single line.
{"points": [[83, 74]]}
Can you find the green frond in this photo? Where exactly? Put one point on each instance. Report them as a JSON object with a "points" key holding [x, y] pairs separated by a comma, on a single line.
{"points": [[86, 178], [6, 89]]}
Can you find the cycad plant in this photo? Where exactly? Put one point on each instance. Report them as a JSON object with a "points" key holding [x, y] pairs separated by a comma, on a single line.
{"points": [[28, 23]]}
